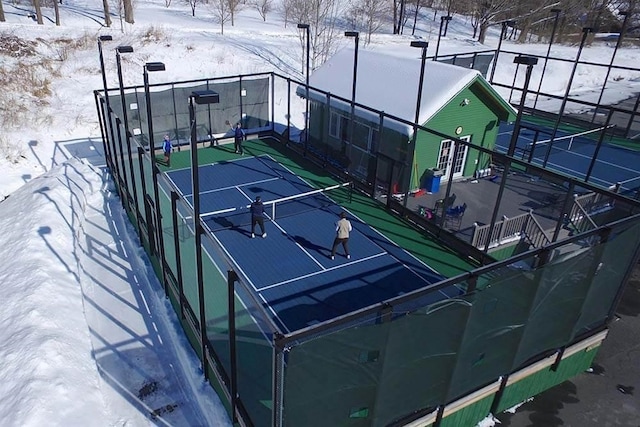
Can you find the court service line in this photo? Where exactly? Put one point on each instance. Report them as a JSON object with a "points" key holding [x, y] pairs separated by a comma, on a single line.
{"points": [[236, 186], [298, 244], [315, 273], [600, 161], [283, 324], [247, 278], [252, 285], [273, 221], [382, 235]]}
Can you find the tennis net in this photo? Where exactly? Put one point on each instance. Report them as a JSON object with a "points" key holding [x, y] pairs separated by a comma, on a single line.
{"points": [[286, 206], [563, 143]]}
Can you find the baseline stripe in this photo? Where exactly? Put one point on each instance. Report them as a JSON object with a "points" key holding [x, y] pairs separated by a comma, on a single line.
{"points": [[315, 273]]}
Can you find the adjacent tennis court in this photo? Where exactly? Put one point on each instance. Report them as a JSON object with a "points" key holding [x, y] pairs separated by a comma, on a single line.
{"points": [[291, 270], [572, 154]]}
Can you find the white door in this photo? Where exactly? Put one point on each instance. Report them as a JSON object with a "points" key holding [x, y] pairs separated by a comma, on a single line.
{"points": [[446, 160]]}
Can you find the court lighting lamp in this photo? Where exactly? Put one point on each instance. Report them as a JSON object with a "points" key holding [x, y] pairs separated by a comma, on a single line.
{"points": [[109, 132], [443, 19], [529, 61], [199, 97], [125, 120], [151, 67], [356, 37]]}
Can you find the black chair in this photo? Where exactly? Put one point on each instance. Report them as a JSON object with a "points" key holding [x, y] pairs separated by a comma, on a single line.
{"points": [[444, 204]]}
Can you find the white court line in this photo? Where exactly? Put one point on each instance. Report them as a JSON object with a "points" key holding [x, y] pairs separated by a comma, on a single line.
{"points": [[315, 273], [282, 322], [223, 275], [382, 235], [273, 221], [238, 185], [298, 245], [269, 307], [210, 165]]}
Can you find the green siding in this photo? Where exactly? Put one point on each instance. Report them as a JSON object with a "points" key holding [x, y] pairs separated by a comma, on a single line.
{"points": [[507, 251], [478, 119], [469, 415], [546, 379]]}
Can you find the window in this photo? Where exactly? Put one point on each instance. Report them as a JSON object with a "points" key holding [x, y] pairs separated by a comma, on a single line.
{"points": [[334, 123], [340, 128]]}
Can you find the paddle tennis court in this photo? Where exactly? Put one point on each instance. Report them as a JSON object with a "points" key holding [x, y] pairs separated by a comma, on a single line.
{"points": [[573, 154], [291, 270]]}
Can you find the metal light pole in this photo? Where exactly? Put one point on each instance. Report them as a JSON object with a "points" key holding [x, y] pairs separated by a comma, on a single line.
{"points": [[356, 36], [585, 33], [199, 97], [411, 149], [110, 137], [443, 19], [306, 118], [446, 26], [502, 35], [546, 58], [151, 67], [529, 61], [613, 57], [125, 120]]}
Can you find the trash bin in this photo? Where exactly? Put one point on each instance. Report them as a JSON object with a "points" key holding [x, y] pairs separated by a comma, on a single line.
{"points": [[432, 180]]}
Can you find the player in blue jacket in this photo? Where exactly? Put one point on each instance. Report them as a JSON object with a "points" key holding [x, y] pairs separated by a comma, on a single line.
{"points": [[166, 149]]}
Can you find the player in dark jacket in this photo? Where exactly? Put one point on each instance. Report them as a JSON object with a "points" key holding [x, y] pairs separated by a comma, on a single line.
{"points": [[257, 217], [238, 134]]}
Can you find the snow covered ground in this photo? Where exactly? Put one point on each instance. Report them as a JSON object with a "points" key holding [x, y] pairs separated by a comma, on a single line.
{"points": [[87, 335]]}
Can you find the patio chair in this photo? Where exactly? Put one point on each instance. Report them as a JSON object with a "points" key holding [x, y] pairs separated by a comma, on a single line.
{"points": [[444, 204], [453, 216]]}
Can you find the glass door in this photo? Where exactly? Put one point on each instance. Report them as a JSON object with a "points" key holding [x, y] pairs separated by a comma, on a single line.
{"points": [[446, 160]]}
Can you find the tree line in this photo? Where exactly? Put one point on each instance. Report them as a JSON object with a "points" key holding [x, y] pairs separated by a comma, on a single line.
{"points": [[524, 20]]}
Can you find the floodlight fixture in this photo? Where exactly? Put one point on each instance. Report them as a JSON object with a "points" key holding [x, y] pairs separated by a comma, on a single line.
{"points": [[205, 97], [303, 26], [154, 66], [351, 34], [105, 38], [446, 18], [525, 60], [124, 49], [420, 44]]}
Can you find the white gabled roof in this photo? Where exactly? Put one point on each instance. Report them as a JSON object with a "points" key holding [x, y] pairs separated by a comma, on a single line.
{"points": [[389, 83]]}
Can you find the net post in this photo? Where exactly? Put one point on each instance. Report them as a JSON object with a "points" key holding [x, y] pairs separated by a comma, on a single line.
{"points": [[351, 186]]}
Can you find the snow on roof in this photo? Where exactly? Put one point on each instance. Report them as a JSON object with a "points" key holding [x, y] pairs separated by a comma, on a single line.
{"points": [[389, 83]]}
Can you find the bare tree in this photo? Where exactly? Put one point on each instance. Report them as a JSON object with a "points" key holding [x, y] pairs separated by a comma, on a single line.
{"points": [[285, 10], [107, 14], [57, 11], [221, 12], [36, 5], [167, 3], [128, 11], [193, 4], [321, 15], [368, 15], [263, 7], [2, 19], [234, 7], [398, 15]]}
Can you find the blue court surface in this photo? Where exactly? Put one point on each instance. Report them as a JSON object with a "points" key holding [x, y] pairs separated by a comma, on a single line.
{"points": [[573, 155], [290, 270]]}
